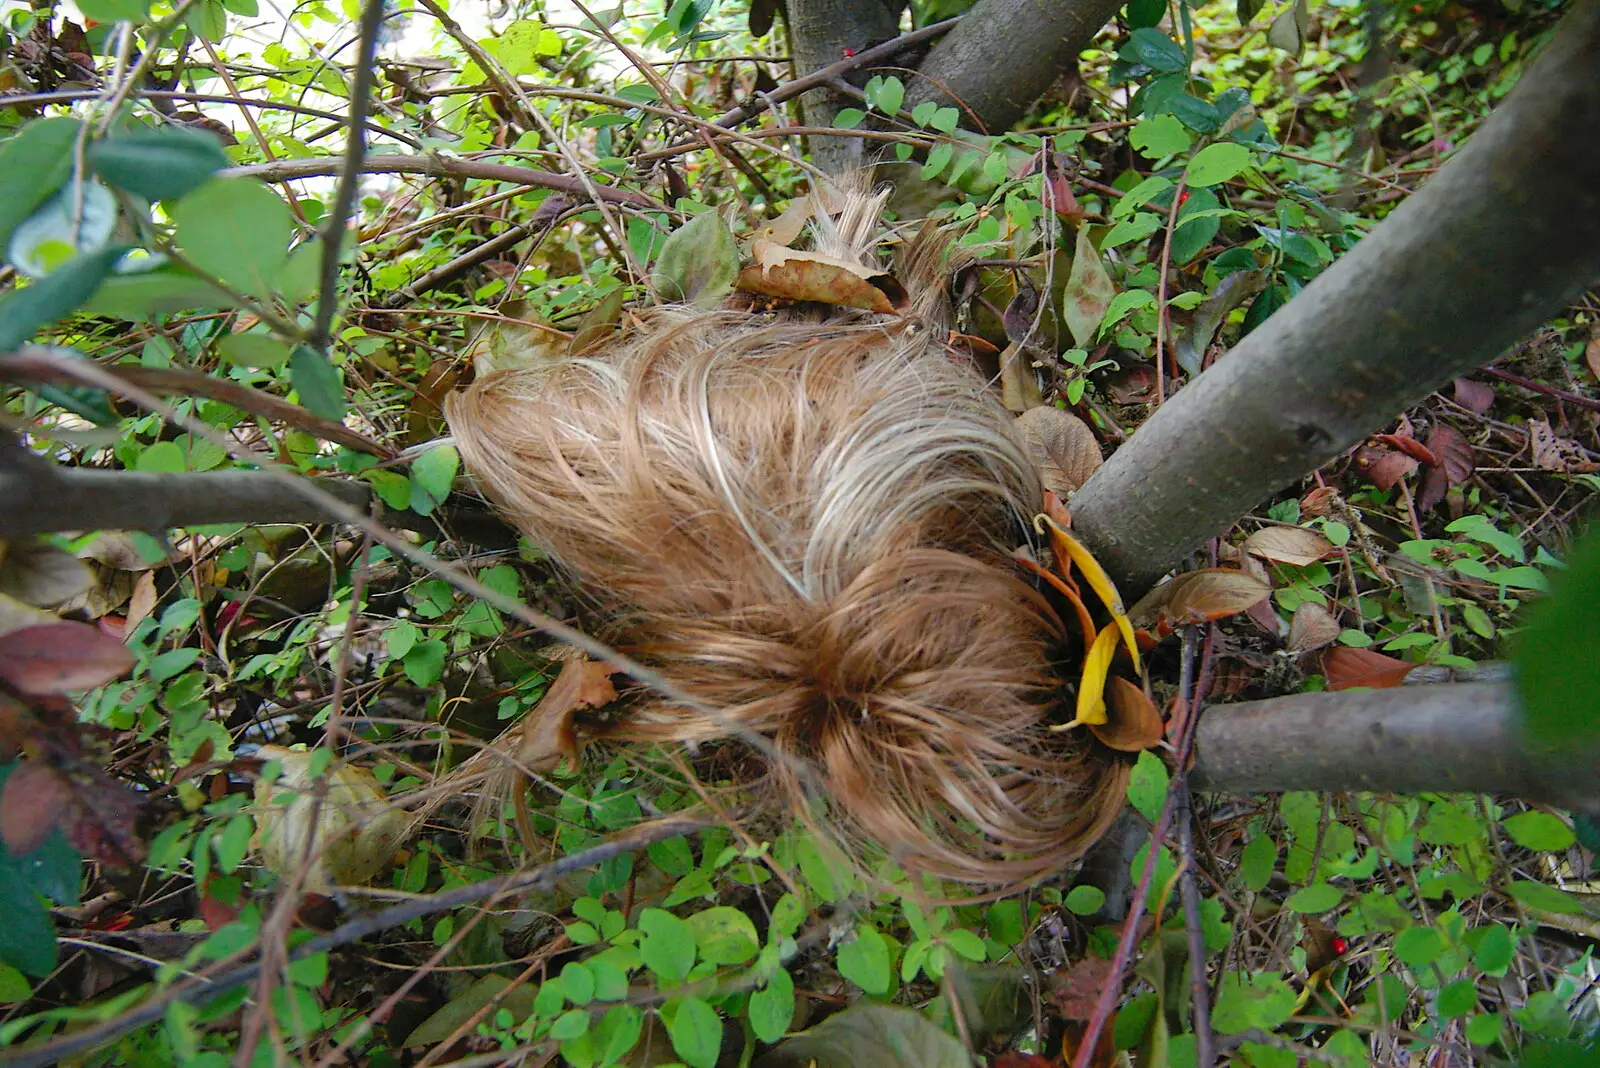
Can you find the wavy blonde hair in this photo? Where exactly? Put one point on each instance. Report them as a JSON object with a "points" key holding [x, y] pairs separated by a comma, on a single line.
{"points": [[806, 521]]}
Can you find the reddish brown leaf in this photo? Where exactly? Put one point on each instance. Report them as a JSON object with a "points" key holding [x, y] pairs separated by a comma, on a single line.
{"points": [[100, 819], [1475, 397], [1074, 993], [1348, 668], [1215, 593], [1408, 445], [33, 801], [1311, 627], [1263, 615], [1591, 352], [1319, 502], [783, 272], [1389, 468], [549, 733], [1132, 385], [1296, 546], [1454, 452], [1132, 720], [55, 657], [217, 914], [1431, 488]]}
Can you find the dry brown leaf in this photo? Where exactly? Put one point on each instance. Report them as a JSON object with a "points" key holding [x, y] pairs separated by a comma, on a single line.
{"points": [[786, 228], [1063, 448], [1475, 397], [783, 272], [1075, 994], [1019, 385], [142, 601], [549, 734], [1205, 595], [342, 820], [38, 573], [1132, 720], [1554, 453], [1348, 668], [1318, 502], [1454, 452], [55, 657], [35, 797], [1296, 546], [1311, 627], [1591, 351]]}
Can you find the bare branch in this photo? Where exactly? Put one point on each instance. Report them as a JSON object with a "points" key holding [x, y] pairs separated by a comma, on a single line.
{"points": [[1498, 242], [323, 166]]}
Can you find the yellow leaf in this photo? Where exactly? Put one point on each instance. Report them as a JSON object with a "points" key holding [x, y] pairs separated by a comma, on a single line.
{"points": [[1092, 687], [1099, 581]]}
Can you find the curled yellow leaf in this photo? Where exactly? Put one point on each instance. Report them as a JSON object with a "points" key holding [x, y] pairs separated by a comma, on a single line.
{"points": [[1065, 544], [1092, 687]]}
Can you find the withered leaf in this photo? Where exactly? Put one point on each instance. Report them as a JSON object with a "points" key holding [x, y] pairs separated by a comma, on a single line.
{"points": [[1215, 593], [1088, 291], [1231, 292], [1388, 468], [1019, 386], [1064, 449], [549, 734], [1591, 352], [55, 657], [1318, 502], [35, 797], [142, 601], [698, 263], [1475, 397], [1408, 445], [1296, 546], [38, 573], [1454, 452], [1132, 720], [1020, 318], [1554, 453], [1347, 668], [784, 272], [786, 228], [1075, 994], [599, 323], [1311, 627]]}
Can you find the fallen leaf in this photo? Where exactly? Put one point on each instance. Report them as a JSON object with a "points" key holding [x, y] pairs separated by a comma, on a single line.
{"points": [[1064, 545], [1432, 488], [549, 734], [885, 1036], [598, 323], [1591, 352], [1475, 397], [786, 228], [1347, 668], [1388, 468], [783, 272], [54, 657], [1021, 316], [38, 573], [1311, 627], [1319, 502], [1408, 445], [1553, 453], [34, 799], [1231, 292], [1092, 686], [1019, 386], [1063, 448], [1215, 593], [342, 820], [142, 601], [1132, 720], [698, 262], [1296, 546], [1454, 452], [1075, 993], [1088, 291]]}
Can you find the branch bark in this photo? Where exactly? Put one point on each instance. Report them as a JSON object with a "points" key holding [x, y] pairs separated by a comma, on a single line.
{"points": [[1498, 242], [821, 32], [1005, 54], [325, 166], [1451, 738]]}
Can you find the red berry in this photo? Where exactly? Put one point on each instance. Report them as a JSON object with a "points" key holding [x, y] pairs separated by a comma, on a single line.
{"points": [[1183, 198], [849, 53], [1339, 945]]}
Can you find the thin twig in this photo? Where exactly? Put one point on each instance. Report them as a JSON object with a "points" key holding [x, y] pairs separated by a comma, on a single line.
{"points": [[1161, 297], [1199, 990]]}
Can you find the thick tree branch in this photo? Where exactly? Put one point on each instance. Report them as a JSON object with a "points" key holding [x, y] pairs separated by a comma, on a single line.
{"points": [[1451, 738], [1005, 54], [1496, 243], [821, 33]]}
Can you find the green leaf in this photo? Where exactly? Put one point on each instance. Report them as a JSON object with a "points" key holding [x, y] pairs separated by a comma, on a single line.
{"points": [[27, 937], [668, 947], [465, 1005], [1539, 831], [1085, 900], [14, 985], [849, 118], [787, 916], [1418, 946], [1544, 898], [1555, 656], [115, 10], [1147, 785], [724, 934], [1159, 136], [1457, 998], [864, 960], [696, 1033], [1156, 50], [158, 164], [1260, 857], [1318, 897], [432, 475], [578, 982], [699, 262], [772, 1009], [33, 165], [237, 230], [318, 383], [1216, 163], [138, 295], [945, 120], [1288, 30], [1088, 291], [922, 114], [233, 843], [938, 159], [891, 93], [1244, 1001], [570, 1024], [1124, 303], [870, 1035], [1137, 228], [24, 312], [1496, 948], [253, 350], [78, 219], [1142, 13], [1483, 1029], [424, 663]]}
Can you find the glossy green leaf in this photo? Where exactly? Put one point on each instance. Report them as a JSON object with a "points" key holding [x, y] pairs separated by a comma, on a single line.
{"points": [[158, 164], [1156, 50], [1217, 163], [1159, 136], [1147, 785]]}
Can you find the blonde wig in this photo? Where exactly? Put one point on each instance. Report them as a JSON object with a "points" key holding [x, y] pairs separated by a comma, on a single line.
{"points": [[806, 520]]}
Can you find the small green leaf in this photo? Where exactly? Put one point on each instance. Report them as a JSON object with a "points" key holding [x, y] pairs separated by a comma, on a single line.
{"points": [[849, 118], [1126, 302], [1244, 1001], [699, 262], [158, 164], [724, 935], [1457, 998], [1496, 948], [1259, 858], [1418, 946], [890, 95], [33, 165], [24, 312], [938, 159], [1085, 900], [432, 475], [424, 664], [570, 1024], [27, 937], [578, 981], [945, 120], [1483, 1029], [1217, 163], [1318, 897], [772, 1009], [668, 948], [253, 350], [922, 114], [966, 944], [1539, 831], [14, 985], [1147, 785], [1159, 136], [318, 382], [696, 1033], [115, 10], [787, 916], [1137, 228], [237, 230], [864, 960], [1544, 898], [1156, 50]]}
